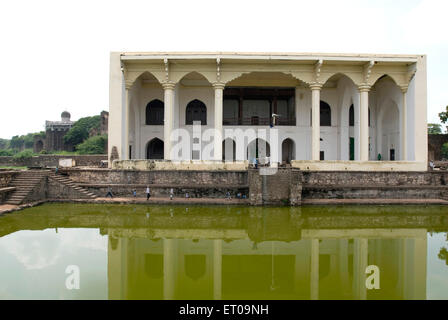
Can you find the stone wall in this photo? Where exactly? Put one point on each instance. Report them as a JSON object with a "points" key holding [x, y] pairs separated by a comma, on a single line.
{"points": [[167, 178], [198, 184], [435, 142], [6, 177], [340, 178], [53, 160], [275, 186]]}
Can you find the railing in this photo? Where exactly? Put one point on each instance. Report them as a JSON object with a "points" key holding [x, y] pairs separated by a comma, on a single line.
{"points": [[257, 121]]}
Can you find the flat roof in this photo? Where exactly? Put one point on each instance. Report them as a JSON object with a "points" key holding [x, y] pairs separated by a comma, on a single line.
{"points": [[303, 56]]}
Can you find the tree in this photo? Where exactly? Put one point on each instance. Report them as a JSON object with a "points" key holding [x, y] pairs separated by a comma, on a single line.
{"points": [[4, 143], [80, 130], [17, 143], [444, 115], [93, 145], [434, 128], [445, 150]]}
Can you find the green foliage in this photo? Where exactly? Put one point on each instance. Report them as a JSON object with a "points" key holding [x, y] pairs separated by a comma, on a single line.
{"points": [[22, 142], [80, 130], [444, 115], [4, 144], [93, 145], [445, 150], [25, 154], [6, 152], [434, 128]]}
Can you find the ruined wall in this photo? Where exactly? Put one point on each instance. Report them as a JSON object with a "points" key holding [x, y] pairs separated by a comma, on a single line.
{"points": [[53, 160], [6, 177], [435, 143]]}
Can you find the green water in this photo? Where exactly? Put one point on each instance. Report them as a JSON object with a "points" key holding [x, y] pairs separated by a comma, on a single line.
{"points": [[218, 252]]}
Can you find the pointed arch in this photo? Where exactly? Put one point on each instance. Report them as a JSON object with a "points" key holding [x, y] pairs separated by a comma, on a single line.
{"points": [[132, 76], [258, 149], [155, 149], [377, 77], [288, 150], [325, 114], [155, 112], [193, 76], [336, 76], [196, 111], [229, 152]]}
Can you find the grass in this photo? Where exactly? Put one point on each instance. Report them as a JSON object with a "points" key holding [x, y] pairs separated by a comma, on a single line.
{"points": [[13, 168]]}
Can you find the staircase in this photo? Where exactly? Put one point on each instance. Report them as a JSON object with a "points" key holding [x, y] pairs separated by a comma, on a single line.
{"points": [[69, 183], [25, 182]]}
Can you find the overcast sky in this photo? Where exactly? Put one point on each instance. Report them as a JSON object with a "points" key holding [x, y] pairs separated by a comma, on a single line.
{"points": [[55, 54]]}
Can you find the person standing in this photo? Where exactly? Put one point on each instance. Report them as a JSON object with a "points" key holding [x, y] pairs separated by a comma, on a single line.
{"points": [[109, 192], [148, 193]]}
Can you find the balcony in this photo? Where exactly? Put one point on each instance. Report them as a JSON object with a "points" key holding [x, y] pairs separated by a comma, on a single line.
{"points": [[257, 121]]}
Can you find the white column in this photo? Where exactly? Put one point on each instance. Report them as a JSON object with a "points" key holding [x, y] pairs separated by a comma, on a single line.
{"points": [[169, 271], [168, 88], [219, 88], [315, 135], [364, 123], [404, 133], [360, 260], [125, 119], [314, 279], [217, 269]]}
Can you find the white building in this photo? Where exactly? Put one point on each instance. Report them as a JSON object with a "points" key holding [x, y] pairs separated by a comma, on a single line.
{"points": [[336, 111]]}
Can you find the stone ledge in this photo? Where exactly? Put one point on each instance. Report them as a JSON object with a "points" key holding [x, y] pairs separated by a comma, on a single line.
{"points": [[155, 186], [379, 187], [7, 189], [361, 166]]}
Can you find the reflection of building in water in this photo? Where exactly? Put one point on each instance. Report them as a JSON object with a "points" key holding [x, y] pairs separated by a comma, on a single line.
{"points": [[324, 264]]}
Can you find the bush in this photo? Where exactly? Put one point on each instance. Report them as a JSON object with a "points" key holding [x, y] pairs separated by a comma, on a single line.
{"points": [[6, 153], [80, 130], [93, 145], [445, 150], [43, 152], [23, 155]]}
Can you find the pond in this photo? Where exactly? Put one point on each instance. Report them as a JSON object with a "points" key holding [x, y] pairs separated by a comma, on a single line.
{"points": [[80, 251]]}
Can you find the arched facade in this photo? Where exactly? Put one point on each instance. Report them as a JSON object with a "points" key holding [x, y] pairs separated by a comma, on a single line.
{"points": [[275, 95]]}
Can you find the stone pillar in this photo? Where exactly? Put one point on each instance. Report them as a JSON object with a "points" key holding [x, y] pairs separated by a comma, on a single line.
{"points": [[315, 136], [168, 88], [404, 133], [219, 88], [169, 271], [125, 119], [364, 123], [360, 259], [314, 285], [295, 187], [217, 269]]}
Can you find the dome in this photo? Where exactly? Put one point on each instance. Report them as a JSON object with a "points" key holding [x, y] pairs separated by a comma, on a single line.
{"points": [[65, 116]]}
